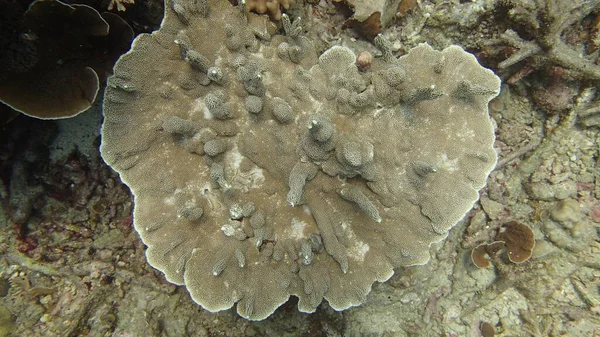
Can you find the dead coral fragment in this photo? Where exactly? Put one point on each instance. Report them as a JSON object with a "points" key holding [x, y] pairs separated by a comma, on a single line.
{"points": [[548, 48], [369, 28], [7, 322]]}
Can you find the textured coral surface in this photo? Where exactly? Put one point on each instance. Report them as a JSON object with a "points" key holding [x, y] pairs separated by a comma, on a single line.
{"points": [[261, 171]]}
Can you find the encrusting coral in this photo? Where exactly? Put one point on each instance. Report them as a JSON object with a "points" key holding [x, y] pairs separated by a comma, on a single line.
{"points": [[291, 174]]}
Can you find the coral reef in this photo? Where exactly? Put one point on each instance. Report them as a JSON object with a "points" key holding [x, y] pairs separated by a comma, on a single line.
{"points": [[71, 263], [336, 205]]}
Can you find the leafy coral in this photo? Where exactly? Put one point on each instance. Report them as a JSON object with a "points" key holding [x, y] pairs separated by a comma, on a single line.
{"points": [[350, 174]]}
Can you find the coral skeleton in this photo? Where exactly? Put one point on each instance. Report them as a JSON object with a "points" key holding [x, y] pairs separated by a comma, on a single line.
{"points": [[548, 47]]}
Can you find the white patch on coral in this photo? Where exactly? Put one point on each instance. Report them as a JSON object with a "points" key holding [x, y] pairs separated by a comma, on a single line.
{"points": [[169, 200], [298, 227], [199, 106], [234, 157], [358, 249], [172, 199], [190, 203], [170, 85], [344, 226], [450, 165], [466, 132], [230, 228], [212, 198], [251, 179]]}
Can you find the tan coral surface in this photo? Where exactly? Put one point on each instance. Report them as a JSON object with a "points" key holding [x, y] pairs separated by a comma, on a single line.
{"points": [[261, 171]]}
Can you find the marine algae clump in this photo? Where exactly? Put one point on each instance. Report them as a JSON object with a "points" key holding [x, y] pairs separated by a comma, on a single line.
{"points": [[291, 174]]}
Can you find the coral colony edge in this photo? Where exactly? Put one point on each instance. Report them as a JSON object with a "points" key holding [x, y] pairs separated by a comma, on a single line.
{"points": [[262, 170]]}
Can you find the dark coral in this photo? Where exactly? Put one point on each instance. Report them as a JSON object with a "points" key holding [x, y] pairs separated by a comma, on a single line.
{"points": [[68, 50]]}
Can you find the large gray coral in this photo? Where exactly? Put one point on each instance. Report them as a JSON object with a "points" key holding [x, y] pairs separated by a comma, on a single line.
{"points": [[357, 179]]}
